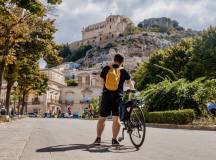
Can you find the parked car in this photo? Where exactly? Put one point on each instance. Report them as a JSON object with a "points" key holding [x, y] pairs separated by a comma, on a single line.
{"points": [[3, 111], [62, 115], [47, 115], [212, 107], [32, 114], [76, 115]]}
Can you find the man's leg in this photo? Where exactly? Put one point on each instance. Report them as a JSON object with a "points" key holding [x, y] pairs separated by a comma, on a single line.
{"points": [[100, 126], [116, 126]]}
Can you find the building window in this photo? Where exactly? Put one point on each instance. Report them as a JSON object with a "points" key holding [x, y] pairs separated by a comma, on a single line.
{"points": [[112, 35], [100, 38], [110, 20], [110, 26]]}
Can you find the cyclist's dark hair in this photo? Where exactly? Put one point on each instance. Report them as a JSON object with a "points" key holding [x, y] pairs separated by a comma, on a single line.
{"points": [[118, 58]]}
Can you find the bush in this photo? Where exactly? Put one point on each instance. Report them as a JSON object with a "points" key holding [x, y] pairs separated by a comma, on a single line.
{"points": [[95, 103], [171, 117], [180, 94]]}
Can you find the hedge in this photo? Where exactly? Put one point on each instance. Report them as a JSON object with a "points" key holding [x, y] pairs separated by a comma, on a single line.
{"points": [[184, 116]]}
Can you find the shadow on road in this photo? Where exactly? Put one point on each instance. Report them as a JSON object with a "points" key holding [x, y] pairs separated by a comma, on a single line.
{"points": [[89, 147]]}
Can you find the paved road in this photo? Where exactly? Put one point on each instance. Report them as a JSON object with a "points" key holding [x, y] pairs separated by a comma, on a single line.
{"points": [[63, 139]]}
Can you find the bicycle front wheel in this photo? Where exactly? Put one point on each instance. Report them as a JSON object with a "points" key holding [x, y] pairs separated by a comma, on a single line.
{"points": [[137, 126]]}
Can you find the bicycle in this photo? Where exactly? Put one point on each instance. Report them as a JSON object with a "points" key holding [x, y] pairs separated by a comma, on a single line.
{"points": [[133, 119]]}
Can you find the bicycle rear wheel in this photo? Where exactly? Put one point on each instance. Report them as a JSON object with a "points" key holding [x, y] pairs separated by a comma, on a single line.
{"points": [[137, 127]]}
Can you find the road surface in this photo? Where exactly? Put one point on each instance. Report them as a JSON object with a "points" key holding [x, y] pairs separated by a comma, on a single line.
{"points": [[67, 139]]}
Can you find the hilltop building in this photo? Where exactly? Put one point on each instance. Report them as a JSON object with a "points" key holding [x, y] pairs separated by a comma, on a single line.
{"points": [[101, 32]]}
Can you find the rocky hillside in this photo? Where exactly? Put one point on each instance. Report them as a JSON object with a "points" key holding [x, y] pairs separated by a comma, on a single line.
{"points": [[135, 48]]}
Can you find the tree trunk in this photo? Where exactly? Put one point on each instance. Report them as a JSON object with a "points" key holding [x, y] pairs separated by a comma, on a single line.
{"points": [[2, 66], [23, 104], [7, 105], [18, 106], [26, 108]]}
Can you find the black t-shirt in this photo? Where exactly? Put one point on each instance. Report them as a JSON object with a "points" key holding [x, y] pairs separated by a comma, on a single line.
{"points": [[123, 77]]}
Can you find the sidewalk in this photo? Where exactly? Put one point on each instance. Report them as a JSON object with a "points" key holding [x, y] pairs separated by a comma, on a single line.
{"points": [[12, 145]]}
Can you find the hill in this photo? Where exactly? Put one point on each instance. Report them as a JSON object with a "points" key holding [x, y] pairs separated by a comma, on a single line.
{"points": [[137, 44]]}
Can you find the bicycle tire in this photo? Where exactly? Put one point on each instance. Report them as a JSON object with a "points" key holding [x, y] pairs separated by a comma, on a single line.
{"points": [[142, 123]]}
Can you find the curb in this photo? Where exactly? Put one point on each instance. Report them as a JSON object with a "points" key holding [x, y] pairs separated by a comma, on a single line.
{"points": [[188, 127]]}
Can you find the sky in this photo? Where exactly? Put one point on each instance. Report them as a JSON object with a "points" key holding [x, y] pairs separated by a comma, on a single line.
{"points": [[72, 15]]}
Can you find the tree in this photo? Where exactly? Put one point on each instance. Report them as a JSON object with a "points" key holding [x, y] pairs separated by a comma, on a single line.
{"points": [[30, 80], [65, 51], [35, 43], [203, 58], [78, 54], [19, 19]]}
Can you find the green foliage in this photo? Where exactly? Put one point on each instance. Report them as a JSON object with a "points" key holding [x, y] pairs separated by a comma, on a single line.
{"points": [[190, 59], [95, 103], [168, 95], [203, 59], [180, 94], [33, 6], [131, 29], [206, 91], [171, 117], [25, 37], [182, 76], [71, 82], [77, 54], [164, 64], [65, 51]]}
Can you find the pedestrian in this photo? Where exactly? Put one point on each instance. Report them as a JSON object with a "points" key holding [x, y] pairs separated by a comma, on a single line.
{"points": [[113, 77]]}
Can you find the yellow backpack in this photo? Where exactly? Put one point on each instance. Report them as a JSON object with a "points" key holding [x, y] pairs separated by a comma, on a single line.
{"points": [[113, 78]]}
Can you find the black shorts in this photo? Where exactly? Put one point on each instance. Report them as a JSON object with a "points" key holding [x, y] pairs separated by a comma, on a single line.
{"points": [[110, 104]]}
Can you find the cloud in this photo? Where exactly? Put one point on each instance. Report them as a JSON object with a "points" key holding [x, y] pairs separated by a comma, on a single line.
{"points": [[75, 14]]}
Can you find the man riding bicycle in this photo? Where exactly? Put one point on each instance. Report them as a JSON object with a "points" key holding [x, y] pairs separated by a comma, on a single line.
{"points": [[114, 77]]}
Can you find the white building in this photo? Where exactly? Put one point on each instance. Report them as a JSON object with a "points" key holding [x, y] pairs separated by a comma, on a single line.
{"points": [[50, 100], [61, 96]]}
